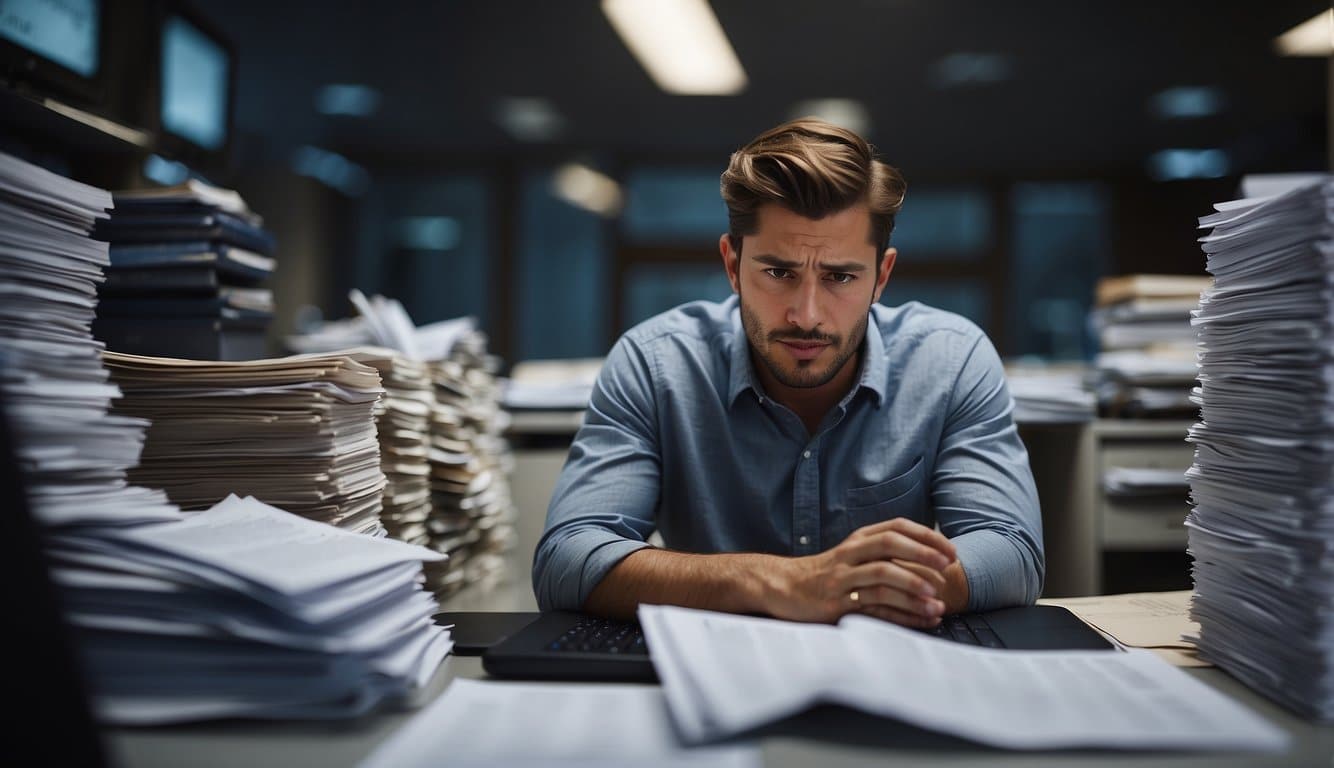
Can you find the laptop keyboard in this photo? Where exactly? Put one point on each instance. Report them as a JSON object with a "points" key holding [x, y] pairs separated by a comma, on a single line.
{"points": [[592, 635], [972, 630]]}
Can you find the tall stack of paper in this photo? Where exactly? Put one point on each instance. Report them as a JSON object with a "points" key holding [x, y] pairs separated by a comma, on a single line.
{"points": [[403, 424], [1263, 478], [295, 432], [1146, 366], [473, 518], [187, 267], [74, 454], [247, 611]]}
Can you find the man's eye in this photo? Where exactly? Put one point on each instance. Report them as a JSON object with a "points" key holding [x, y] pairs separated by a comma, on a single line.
{"points": [[778, 273], [842, 278]]}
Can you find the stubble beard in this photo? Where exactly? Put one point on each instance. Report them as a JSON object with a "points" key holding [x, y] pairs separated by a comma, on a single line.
{"points": [[804, 375]]}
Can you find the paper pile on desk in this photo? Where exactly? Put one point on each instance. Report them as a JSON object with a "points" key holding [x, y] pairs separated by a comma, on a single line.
{"points": [[245, 610], [296, 432], [726, 674], [473, 519], [482, 723], [1050, 394], [73, 454], [403, 421], [1263, 479]]}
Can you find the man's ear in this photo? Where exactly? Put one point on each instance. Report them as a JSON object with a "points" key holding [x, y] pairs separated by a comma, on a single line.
{"points": [[731, 262], [886, 266]]}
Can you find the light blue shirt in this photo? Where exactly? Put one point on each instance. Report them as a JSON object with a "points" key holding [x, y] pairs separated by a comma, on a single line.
{"points": [[680, 437]]}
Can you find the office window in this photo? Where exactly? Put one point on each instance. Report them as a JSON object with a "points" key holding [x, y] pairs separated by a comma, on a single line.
{"points": [[943, 224], [561, 286], [965, 297], [428, 243], [1060, 246], [654, 288], [673, 205]]}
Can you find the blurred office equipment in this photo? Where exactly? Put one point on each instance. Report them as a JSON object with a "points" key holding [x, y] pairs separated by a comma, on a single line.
{"points": [[1261, 481], [1051, 394], [188, 267]]}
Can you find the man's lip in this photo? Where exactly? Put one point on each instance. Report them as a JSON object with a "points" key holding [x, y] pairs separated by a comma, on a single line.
{"points": [[804, 344]]}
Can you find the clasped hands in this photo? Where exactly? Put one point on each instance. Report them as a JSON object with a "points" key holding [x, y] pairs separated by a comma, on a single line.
{"points": [[897, 570]]}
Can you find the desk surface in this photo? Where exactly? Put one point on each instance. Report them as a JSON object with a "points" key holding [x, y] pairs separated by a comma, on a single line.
{"points": [[827, 736]]}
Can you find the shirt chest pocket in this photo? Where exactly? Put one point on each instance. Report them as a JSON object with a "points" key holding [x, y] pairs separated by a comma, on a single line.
{"points": [[899, 496]]}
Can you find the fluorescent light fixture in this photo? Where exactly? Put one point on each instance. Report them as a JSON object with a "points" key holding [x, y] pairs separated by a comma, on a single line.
{"points": [[347, 99], [586, 188], [680, 43], [331, 169], [1173, 164], [1313, 37], [529, 119], [970, 68], [1187, 101], [163, 171], [429, 233], [848, 113]]}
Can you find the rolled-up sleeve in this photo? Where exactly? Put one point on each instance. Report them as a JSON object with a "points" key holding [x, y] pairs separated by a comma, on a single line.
{"points": [[983, 490], [604, 504]]}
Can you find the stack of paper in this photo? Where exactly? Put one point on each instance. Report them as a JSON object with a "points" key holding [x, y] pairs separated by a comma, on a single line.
{"points": [[73, 453], [473, 518], [1263, 478], [1050, 394], [295, 432], [726, 674], [247, 611], [1147, 363], [403, 423], [188, 264]]}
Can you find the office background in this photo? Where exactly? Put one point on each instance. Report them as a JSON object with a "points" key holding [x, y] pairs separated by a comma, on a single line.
{"points": [[419, 149]]}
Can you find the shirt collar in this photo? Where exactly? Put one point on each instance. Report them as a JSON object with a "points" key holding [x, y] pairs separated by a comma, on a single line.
{"points": [[742, 371]]}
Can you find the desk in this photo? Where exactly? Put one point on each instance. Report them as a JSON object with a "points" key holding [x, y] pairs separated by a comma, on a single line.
{"points": [[826, 736]]}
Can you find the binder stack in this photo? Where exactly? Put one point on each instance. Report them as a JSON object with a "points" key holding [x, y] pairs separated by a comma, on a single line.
{"points": [[473, 514], [294, 432], [1263, 479], [188, 265]]}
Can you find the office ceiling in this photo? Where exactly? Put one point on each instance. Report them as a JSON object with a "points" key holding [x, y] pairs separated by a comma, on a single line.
{"points": [[1034, 86]]}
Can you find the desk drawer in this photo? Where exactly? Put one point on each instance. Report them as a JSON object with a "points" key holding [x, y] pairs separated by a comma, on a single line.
{"points": [[1147, 523]]}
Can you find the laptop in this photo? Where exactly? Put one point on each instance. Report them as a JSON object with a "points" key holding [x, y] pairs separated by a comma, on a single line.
{"points": [[573, 646]]}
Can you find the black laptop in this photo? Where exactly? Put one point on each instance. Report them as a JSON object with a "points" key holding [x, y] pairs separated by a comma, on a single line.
{"points": [[573, 646]]}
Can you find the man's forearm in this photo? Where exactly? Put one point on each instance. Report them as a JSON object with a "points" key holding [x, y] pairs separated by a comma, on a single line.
{"points": [[735, 583]]}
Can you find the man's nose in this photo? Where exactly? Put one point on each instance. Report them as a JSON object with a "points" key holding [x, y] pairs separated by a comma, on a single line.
{"points": [[804, 311]]}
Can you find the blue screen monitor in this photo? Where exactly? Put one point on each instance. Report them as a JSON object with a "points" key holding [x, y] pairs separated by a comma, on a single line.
{"points": [[53, 47], [196, 84]]}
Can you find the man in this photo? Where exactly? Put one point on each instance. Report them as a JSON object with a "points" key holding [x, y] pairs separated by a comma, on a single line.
{"points": [[797, 445]]}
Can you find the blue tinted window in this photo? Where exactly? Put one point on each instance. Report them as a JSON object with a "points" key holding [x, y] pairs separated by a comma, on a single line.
{"points": [[561, 286], [964, 297], [673, 205], [428, 244], [654, 288], [1060, 248], [953, 224]]}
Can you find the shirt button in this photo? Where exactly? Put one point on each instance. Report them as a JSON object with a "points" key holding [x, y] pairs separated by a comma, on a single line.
{"points": [[804, 540], [805, 454]]}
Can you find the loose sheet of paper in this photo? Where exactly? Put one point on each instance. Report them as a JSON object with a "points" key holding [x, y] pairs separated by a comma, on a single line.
{"points": [[484, 723], [724, 674]]}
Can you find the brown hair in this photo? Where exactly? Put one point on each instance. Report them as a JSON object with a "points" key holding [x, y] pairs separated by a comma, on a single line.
{"points": [[812, 168]]}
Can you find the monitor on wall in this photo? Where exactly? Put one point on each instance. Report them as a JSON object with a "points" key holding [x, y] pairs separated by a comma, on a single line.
{"points": [[196, 88], [54, 48]]}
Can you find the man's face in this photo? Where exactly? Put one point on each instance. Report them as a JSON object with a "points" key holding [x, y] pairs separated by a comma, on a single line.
{"points": [[806, 287]]}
